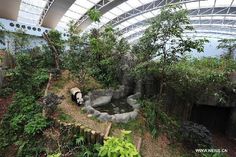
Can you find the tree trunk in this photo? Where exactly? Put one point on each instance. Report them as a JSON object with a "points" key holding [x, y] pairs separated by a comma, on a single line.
{"points": [[53, 49]]}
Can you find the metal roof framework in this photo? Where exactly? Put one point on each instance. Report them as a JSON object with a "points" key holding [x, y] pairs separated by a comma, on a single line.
{"points": [[131, 17]]}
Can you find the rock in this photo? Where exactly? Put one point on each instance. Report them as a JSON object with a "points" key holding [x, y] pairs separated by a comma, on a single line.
{"points": [[89, 115], [101, 101], [122, 110], [104, 117], [90, 109], [86, 97], [96, 113], [122, 118], [87, 103], [136, 106], [131, 101], [133, 114]]}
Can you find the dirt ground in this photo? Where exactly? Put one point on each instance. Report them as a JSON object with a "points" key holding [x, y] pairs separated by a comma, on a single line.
{"points": [[70, 108], [224, 143]]}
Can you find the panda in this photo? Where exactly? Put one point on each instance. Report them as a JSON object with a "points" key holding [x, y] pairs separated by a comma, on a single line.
{"points": [[76, 95]]}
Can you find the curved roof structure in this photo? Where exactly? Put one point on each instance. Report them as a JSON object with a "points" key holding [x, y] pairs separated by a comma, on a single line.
{"points": [[215, 17]]}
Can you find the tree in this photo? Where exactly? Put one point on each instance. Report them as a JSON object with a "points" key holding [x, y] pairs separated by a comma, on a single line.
{"points": [[2, 34], [21, 40], [164, 39], [56, 45], [229, 45]]}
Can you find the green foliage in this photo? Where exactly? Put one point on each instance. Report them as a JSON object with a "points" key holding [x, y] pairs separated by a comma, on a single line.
{"points": [[2, 34], [164, 40], [158, 121], [65, 117], [28, 76], [21, 40], [214, 155], [189, 79], [23, 117], [105, 57], [94, 15], [116, 147], [36, 124], [56, 39], [230, 46], [55, 155]]}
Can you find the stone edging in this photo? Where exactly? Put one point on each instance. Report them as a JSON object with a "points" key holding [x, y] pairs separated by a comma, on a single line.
{"points": [[103, 116]]}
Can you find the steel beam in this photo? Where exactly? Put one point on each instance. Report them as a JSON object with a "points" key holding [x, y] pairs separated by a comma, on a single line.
{"points": [[55, 12]]}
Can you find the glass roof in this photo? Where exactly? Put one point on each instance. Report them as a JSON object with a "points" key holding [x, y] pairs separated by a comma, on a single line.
{"points": [[30, 11], [135, 13], [76, 11], [129, 19]]}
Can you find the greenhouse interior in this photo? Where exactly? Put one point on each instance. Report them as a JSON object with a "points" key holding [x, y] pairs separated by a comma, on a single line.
{"points": [[117, 78]]}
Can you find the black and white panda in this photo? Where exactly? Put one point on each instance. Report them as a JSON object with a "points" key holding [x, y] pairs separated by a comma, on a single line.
{"points": [[76, 95]]}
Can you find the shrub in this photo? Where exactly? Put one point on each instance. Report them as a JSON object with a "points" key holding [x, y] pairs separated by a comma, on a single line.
{"points": [[50, 103], [158, 121], [36, 125], [116, 147], [195, 135], [5, 92]]}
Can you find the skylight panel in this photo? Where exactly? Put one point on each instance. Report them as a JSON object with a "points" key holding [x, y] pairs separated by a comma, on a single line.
{"points": [[117, 11], [146, 1], [132, 21], [109, 15], [134, 4], [148, 15], [84, 3], [140, 18], [194, 18], [77, 10], [224, 3], [139, 29], [231, 18], [72, 14], [26, 20], [125, 7], [192, 5], [156, 12], [67, 19], [104, 20], [207, 4], [30, 11]]}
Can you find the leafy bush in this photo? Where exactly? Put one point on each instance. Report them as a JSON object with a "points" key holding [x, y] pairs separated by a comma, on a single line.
{"points": [[50, 103], [116, 147], [158, 121], [55, 155], [5, 92], [36, 124], [195, 135], [94, 15], [21, 117], [214, 155], [190, 79]]}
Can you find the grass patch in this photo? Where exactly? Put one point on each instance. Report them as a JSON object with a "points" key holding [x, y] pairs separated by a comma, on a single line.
{"points": [[65, 118], [134, 125], [60, 83]]}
